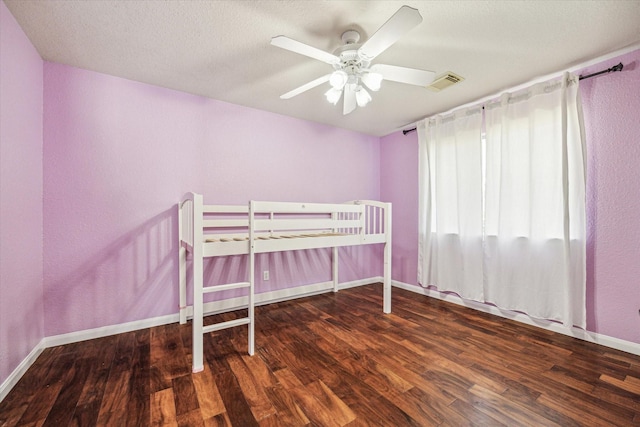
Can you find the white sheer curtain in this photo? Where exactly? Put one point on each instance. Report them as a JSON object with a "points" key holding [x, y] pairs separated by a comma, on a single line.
{"points": [[450, 229], [535, 202], [517, 241]]}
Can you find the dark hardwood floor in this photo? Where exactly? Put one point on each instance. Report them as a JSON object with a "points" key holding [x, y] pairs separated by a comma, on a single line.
{"points": [[335, 360]]}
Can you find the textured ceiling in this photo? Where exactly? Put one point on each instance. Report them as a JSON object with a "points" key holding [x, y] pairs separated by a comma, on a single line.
{"points": [[221, 49]]}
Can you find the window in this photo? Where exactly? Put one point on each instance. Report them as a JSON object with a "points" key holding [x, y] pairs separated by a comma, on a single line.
{"points": [[502, 212]]}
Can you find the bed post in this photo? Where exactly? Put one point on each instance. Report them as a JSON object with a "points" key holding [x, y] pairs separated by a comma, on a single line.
{"points": [[252, 279], [334, 257], [182, 267], [387, 260], [198, 275], [334, 268]]}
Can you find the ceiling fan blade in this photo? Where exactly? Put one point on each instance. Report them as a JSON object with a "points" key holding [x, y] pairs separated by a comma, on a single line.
{"points": [[410, 76], [349, 99], [306, 87], [398, 25], [304, 49]]}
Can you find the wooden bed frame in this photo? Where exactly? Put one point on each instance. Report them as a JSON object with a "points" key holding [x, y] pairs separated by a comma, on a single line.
{"points": [[261, 227]]}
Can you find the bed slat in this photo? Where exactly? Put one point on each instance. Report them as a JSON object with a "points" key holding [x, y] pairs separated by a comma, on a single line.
{"points": [[315, 208], [303, 224], [225, 325], [212, 209], [225, 223], [227, 287]]}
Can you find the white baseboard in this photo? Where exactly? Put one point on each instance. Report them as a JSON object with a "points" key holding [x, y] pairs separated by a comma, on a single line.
{"points": [[362, 282], [607, 341], [230, 304], [210, 308], [300, 292], [105, 331], [17, 373], [78, 336]]}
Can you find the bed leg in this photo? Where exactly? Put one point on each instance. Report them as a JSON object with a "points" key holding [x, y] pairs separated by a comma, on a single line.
{"points": [[198, 278], [251, 308], [252, 339], [182, 268], [334, 269], [387, 279], [197, 315], [252, 280], [387, 262]]}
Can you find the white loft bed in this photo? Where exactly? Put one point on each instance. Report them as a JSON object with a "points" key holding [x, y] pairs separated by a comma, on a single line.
{"points": [[260, 227]]}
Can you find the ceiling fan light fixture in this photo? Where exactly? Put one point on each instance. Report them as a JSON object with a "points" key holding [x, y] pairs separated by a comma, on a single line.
{"points": [[351, 63], [372, 80], [333, 95], [338, 79], [362, 96]]}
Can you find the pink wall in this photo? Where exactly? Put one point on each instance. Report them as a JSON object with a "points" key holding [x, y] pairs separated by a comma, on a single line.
{"points": [[118, 156], [21, 312], [612, 121], [399, 185], [612, 111]]}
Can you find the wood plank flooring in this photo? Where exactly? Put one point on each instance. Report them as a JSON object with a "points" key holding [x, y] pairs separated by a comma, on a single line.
{"points": [[335, 360]]}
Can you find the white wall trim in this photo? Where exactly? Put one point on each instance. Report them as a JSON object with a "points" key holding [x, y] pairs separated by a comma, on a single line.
{"points": [[105, 331], [264, 298], [13, 378], [78, 336], [607, 341], [300, 292], [210, 308]]}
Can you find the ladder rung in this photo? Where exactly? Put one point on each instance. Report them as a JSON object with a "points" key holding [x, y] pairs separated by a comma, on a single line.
{"points": [[225, 325], [220, 288]]}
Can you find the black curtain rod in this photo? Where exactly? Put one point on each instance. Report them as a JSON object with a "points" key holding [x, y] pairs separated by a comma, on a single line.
{"points": [[588, 76], [608, 70]]}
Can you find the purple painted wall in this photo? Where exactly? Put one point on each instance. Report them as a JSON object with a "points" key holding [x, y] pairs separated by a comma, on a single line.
{"points": [[21, 305], [399, 185], [611, 111], [612, 122], [118, 156]]}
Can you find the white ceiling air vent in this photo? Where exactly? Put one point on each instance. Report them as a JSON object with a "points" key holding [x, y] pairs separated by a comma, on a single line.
{"points": [[444, 81]]}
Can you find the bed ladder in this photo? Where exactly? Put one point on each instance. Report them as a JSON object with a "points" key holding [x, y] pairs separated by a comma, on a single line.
{"points": [[199, 290]]}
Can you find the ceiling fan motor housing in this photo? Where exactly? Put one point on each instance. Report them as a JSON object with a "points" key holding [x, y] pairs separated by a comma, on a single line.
{"points": [[350, 61], [350, 37]]}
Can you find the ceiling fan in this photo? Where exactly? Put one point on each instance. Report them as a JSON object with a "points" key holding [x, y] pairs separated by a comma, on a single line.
{"points": [[352, 62]]}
